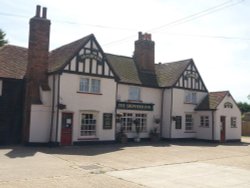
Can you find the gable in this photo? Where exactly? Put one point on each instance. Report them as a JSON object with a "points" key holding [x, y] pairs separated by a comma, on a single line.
{"points": [[89, 60], [191, 79]]}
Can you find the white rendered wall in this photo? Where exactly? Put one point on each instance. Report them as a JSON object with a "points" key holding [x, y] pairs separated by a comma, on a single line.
{"points": [[166, 120], [203, 132], [40, 124], [78, 102], [180, 108], [231, 133], [148, 95]]}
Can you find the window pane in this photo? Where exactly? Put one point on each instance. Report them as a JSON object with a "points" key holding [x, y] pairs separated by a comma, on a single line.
{"points": [[95, 86], [134, 93], [84, 84]]}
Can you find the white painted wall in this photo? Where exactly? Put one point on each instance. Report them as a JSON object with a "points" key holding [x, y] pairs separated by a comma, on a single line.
{"points": [[40, 124], [148, 95], [203, 132], [180, 108], [77, 102], [166, 120], [231, 133]]}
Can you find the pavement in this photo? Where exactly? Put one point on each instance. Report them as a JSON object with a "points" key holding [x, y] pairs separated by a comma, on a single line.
{"points": [[134, 165]]}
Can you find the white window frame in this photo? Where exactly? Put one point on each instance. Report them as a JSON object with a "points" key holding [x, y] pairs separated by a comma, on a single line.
{"points": [[233, 122], [89, 126], [204, 121], [134, 93], [1, 87], [92, 85], [190, 97], [127, 122], [189, 122]]}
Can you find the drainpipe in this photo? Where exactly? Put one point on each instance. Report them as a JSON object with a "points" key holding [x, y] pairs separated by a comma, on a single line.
{"points": [[162, 106], [171, 114], [57, 111], [53, 110], [116, 94], [213, 125]]}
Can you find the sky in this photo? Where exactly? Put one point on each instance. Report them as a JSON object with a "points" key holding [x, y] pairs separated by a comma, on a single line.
{"points": [[214, 33]]}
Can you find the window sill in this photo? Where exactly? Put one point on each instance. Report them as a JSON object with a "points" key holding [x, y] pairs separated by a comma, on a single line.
{"points": [[87, 139], [81, 92], [136, 101], [189, 132], [190, 103]]}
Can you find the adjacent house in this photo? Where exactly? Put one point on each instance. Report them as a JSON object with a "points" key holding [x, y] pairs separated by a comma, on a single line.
{"points": [[77, 93]]}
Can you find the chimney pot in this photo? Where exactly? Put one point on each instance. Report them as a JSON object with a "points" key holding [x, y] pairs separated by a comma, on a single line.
{"points": [[38, 11], [44, 12], [140, 36]]}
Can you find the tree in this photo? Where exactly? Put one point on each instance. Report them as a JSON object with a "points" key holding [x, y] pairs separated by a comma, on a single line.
{"points": [[3, 41], [244, 107]]}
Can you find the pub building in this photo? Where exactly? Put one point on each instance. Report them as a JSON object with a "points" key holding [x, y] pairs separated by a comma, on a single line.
{"points": [[77, 93]]}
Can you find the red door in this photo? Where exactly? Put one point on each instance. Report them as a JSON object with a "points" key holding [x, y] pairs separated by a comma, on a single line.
{"points": [[223, 128], [66, 132]]}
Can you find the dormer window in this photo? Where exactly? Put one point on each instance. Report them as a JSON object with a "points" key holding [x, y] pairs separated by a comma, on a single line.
{"points": [[134, 93]]}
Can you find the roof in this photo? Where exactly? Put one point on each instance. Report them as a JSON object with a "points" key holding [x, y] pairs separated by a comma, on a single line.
{"points": [[169, 73], [212, 100], [60, 56], [166, 75], [13, 61]]}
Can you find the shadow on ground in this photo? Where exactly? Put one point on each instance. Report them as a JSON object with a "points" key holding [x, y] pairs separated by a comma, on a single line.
{"points": [[98, 149]]}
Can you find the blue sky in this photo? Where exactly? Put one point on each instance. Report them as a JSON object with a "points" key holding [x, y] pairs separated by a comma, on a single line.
{"points": [[215, 33]]}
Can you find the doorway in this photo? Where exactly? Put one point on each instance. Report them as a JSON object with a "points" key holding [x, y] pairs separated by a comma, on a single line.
{"points": [[66, 131], [223, 128]]}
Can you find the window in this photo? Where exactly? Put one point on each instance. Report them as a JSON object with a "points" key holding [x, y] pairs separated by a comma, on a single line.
{"points": [[228, 105], [178, 122], [90, 85], [142, 119], [88, 124], [134, 93], [204, 121], [1, 87], [127, 122], [191, 98], [189, 122], [233, 122]]}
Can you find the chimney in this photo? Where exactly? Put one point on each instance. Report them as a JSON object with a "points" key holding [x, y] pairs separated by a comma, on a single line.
{"points": [[38, 52], [144, 53]]}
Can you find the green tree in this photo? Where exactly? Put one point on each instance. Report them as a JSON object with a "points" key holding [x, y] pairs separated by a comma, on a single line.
{"points": [[3, 41], [244, 107]]}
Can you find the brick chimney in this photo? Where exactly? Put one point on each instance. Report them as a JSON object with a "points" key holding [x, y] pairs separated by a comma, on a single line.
{"points": [[38, 52], [144, 54]]}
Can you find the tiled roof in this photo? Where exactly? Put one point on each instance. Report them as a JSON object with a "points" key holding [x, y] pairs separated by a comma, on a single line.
{"points": [[212, 100], [169, 73], [166, 74], [60, 56], [13, 61]]}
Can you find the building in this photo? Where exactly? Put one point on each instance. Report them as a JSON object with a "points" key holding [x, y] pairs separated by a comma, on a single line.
{"points": [[77, 93]]}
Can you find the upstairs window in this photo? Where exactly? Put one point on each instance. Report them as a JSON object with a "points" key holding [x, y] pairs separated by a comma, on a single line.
{"points": [[228, 105], [191, 97], [134, 93], [1, 87], [89, 85]]}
